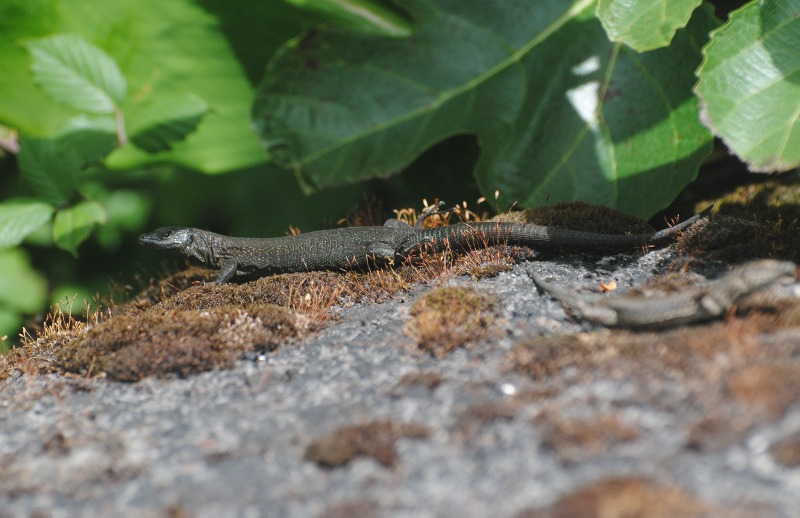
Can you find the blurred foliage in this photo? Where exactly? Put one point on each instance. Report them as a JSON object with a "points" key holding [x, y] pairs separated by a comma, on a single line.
{"points": [[109, 110]]}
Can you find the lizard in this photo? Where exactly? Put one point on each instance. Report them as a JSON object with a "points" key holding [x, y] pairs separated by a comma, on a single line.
{"points": [[698, 304], [361, 247]]}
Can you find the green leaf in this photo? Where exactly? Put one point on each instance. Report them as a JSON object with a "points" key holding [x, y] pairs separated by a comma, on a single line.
{"points": [[163, 48], [626, 135], [560, 112], [22, 289], [364, 15], [50, 169], [255, 30], [165, 120], [76, 73], [644, 24], [749, 84], [91, 138], [73, 225], [180, 48], [20, 218]]}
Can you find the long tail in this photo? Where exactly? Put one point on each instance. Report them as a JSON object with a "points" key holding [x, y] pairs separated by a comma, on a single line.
{"points": [[469, 236]]}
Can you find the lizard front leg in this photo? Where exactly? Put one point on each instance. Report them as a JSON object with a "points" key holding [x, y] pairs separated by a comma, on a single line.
{"points": [[226, 271]]}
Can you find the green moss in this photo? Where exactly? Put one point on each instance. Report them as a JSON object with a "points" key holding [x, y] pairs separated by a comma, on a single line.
{"points": [[181, 343], [169, 286], [768, 201], [736, 240], [450, 317]]}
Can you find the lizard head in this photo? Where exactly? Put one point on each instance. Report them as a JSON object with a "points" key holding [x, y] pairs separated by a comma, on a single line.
{"points": [[175, 239]]}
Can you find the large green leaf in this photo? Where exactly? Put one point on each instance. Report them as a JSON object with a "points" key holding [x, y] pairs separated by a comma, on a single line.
{"points": [[610, 125], [49, 168], [163, 49], [644, 24], [158, 125], [73, 225], [91, 138], [364, 15], [174, 49], [19, 218], [749, 84], [255, 30], [561, 113], [76, 73]]}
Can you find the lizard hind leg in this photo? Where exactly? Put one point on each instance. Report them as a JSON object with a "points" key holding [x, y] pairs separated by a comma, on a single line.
{"points": [[433, 210], [396, 223], [382, 254]]}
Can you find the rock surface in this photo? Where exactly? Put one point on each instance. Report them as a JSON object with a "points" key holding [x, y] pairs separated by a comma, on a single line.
{"points": [[542, 417]]}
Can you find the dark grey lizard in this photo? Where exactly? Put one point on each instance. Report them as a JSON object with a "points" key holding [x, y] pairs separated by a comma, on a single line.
{"points": [[694, 305], [361, 247]]}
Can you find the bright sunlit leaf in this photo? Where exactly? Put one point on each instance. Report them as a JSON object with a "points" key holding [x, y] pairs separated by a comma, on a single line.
{"points": [[76, 73]]}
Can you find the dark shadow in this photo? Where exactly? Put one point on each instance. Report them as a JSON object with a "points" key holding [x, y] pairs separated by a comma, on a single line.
{"points": [[444, 171], [255, 30]]}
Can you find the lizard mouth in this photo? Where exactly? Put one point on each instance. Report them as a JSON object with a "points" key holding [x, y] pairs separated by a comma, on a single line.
{"points": [[165, 238], [148, 241], [151, 241]]}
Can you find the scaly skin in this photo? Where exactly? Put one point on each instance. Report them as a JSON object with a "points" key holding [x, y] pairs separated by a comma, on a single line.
{"points": [[359, 247]]}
